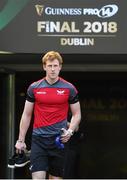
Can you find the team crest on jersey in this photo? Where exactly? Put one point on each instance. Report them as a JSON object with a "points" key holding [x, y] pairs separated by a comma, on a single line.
{"points": [[60, 92], [41, 92]]}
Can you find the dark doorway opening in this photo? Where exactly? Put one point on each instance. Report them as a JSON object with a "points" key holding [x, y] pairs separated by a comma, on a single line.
{"points": [[102, 148]]}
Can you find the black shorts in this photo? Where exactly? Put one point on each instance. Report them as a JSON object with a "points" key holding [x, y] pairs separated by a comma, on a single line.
{"points": [[46, 156]]}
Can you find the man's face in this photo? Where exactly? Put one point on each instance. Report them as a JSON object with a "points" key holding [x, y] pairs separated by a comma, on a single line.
{"points": [[52, 68]]}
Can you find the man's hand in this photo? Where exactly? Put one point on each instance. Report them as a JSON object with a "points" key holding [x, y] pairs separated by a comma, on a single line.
{"points": [[66, 135], [20, 145]]}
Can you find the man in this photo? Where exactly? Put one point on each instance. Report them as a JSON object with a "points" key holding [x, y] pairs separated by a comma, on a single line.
{"points": [[50, 98]]}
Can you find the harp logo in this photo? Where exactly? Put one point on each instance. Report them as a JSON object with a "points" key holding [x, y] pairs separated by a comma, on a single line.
{"points": [[39, 9]]}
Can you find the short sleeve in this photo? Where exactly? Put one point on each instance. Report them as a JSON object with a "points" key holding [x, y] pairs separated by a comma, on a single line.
{"points": [[73, 98], [30, 94]]}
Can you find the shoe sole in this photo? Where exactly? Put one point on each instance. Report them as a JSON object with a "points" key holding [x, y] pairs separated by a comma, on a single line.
{"points": [[11, 166], [22, 165]]}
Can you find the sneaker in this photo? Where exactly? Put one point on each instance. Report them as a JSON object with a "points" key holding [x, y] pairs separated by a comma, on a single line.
{"points": [[22, 159], [19, 160], [11, 161]]}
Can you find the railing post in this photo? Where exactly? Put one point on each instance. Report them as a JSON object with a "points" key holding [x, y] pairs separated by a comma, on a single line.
{"points": [[10, 120]]}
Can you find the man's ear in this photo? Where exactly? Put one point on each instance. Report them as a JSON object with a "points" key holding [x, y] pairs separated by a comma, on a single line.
{"points": [[43, 66], [60, 66]]}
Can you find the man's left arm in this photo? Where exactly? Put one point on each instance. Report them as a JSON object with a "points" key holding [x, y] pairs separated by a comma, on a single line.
{"points": [[74, 123], [76, 116]]}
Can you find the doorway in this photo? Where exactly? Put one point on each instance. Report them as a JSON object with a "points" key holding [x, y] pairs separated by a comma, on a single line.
{"points": [[102, 148]]}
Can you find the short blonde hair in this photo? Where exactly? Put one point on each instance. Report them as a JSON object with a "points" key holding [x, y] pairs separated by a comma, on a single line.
{"points": [[51, 55]]}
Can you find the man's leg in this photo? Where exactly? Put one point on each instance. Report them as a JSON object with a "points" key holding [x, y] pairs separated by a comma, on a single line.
{"points": [[39, 175], [54, 177]]}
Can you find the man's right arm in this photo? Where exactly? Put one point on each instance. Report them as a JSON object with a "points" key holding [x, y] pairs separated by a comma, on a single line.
{"points": [[24, 125]]}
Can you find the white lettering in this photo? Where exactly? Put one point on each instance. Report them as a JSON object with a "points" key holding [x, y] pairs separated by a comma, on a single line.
{"points": [[50, 26], [63, 11], [40, 26], [104, 12], [77, 41]]}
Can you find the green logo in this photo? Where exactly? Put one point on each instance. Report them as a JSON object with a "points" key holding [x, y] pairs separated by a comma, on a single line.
{"points": [[10, 10]]}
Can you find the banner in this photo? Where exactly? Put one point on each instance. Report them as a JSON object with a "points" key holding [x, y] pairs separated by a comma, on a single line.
{"points": [[67, 26]]}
